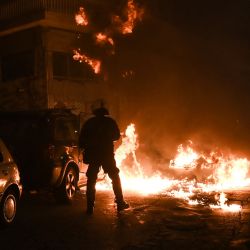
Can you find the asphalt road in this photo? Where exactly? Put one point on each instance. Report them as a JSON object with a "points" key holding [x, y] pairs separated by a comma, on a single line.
{"points": [[152, 222]]}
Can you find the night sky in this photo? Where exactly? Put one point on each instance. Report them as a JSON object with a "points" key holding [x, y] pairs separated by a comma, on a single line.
{"points": [[191, 72]]}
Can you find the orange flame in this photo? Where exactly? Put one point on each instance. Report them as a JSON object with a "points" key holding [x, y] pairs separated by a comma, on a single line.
{"points": [[222, 204], [93, 63], [134, 14], [102, 38], [225, 173], [81, 17]]}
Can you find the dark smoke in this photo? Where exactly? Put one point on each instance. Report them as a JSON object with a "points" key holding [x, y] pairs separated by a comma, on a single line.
{"points": [[191, 74]]}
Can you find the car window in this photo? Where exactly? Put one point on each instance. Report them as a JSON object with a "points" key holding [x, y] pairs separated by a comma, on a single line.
{"points": [[6, 157], [66, 130]]}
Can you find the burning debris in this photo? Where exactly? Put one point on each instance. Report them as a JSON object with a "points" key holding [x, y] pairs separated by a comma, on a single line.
{"points": [[218, 174]]}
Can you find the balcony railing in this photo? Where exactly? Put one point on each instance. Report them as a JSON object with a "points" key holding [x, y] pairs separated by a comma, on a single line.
{"points": [[16, 8]]}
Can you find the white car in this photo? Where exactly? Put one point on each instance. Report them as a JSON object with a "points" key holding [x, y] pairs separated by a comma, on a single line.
{"points": [[10, 186]]}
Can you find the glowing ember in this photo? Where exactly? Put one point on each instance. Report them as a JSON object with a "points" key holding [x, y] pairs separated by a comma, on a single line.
{"points": [[127, 73], [93, 63], [81, 17], [102, 38]]}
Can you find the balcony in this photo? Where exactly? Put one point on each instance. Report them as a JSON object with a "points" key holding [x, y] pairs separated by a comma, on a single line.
{"points": [[18, 12]]}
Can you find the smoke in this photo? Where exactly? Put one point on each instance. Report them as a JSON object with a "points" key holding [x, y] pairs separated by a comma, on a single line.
{"points": [[183, 74], [191, 76]]}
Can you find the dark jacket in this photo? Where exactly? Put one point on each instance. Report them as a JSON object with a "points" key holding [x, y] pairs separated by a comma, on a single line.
{"points": [[97, 136]]}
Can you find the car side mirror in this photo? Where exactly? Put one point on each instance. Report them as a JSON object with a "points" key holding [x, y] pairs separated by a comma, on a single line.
{"points": [[1, 157]]}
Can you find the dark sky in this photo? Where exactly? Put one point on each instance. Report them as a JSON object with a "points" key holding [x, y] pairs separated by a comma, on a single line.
{"points": [[191, 64]]}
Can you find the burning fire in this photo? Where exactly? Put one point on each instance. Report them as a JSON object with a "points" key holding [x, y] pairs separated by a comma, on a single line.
{"points": [[102, 38], [185, 157], [133, 15], [222, 204], [81, 17], [220, 173], [93, 63]]}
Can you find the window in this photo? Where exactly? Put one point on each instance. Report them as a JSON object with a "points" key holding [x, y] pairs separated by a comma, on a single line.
{"points": [[66, 130], [65, 67], [15, 66]]}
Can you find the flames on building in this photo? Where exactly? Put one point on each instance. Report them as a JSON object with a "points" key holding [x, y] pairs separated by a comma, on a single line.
{"points": [[81, 17], [95, 64], [133, 15], [124, 26]]}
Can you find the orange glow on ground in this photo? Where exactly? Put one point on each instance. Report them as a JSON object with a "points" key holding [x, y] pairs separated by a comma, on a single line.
{"points": [[225, 173]]}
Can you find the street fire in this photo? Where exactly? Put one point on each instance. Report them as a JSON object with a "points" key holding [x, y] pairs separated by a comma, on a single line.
{"points": [[222, 204], [81, 17], [212, 174], [93, 63]]}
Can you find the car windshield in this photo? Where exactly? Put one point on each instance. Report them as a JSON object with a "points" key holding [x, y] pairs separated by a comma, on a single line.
{"points": [[66, 130]]}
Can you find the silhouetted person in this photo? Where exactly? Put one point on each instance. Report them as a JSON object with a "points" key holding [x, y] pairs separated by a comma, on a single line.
{"points": [[97, 142]]}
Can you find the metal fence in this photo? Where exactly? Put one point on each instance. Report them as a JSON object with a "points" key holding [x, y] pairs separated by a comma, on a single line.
{"points": [[15, 8]]}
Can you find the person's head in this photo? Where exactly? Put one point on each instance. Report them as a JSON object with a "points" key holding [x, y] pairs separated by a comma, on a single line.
{"points": [[98, 108], [100, 111]]}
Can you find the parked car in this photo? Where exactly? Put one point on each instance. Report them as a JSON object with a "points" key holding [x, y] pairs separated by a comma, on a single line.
{"points": [[10, 186], [44, 145]]}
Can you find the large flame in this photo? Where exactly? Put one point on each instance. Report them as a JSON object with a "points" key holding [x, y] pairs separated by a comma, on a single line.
{"points": [[186, 157], [93, 63], [134, 14], [218, 173], [81, 17]]}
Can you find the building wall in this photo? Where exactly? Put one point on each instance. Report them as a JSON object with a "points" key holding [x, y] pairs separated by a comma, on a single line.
{"points": [[51, 29], [76, 93], [23, 92]]}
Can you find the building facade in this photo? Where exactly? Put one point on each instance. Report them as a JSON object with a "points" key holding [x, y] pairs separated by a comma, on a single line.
{"points": [[37, 38]]}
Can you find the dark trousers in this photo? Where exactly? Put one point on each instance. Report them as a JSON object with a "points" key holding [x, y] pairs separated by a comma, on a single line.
{"points": [[109, 167]]}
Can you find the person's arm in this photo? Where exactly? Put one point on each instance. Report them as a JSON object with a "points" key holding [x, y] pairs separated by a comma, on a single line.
{"points": [[81, 139], [83, 136], [116, 131]]}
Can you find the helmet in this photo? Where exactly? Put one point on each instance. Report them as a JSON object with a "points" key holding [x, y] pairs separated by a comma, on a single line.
{"points": [[98, 108], [100, 111]]}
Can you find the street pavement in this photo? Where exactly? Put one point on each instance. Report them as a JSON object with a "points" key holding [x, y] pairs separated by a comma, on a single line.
{"points": [[151, 222]]}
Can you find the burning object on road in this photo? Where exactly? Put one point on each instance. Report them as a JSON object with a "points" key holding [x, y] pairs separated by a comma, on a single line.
{"points": [[219, 173]]}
